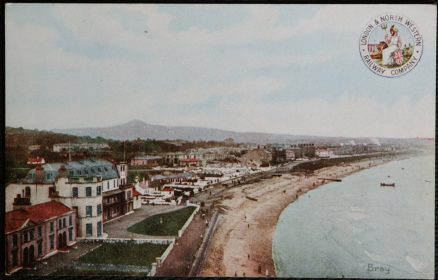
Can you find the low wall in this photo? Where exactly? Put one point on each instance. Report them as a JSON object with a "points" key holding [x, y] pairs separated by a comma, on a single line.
{"points": [[111, 267], [163, 241], [161, 259], [189, 220]]}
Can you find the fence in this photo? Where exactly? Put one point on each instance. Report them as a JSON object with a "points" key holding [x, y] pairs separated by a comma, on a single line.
{"points": [[189, 220], [163, 241], [111, 267], [160, 260]]}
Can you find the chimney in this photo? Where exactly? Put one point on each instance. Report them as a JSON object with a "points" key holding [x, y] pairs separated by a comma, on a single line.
{"points": [[62, 171], [39, 174]]}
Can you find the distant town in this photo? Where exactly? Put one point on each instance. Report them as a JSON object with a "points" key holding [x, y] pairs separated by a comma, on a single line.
{"points": [[72, 200]]}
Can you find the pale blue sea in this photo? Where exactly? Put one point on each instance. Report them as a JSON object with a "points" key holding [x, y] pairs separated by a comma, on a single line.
{"points": [[356, 228]]}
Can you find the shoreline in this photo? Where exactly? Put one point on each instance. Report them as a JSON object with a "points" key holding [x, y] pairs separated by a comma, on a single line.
{"points": [[242, 243]]}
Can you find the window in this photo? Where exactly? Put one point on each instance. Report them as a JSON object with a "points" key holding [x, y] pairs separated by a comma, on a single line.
{"points": [[27, 192], [14, 240], [70, 220], [107, 185], [70, 173], [75, 192], [88, 191], [89, 211], [70, 234], [52, 241], [99, 209], [52, 226], [40, 231], [64, 222], [89, 229], [129, 194], [15, 257], [99, 190], [99, 228], [40, 248], [59, 223], [31, 234]]}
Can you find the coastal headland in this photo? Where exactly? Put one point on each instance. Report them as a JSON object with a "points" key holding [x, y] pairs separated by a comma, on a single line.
{"points": [[242, 242]]}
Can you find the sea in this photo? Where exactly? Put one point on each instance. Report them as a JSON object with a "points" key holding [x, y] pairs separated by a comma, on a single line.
{"points": [[358, 229]]}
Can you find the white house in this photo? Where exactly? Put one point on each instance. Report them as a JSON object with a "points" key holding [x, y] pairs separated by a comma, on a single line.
{"points": [[79, 185]]}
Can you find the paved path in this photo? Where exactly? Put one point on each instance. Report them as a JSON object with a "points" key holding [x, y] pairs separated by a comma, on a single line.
{"points": [[119, 228], [59, 260], [180, 260], [202, 253]]}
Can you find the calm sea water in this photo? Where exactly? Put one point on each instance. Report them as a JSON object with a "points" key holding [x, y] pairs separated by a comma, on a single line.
{"points": [[358, 229]]}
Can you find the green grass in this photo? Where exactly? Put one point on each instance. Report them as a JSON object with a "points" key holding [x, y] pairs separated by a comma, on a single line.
{"points": [[125, 254], [171, 223]]}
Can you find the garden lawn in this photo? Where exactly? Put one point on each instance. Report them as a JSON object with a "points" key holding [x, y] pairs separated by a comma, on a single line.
{"points": [[125, 254], [167, 224]]}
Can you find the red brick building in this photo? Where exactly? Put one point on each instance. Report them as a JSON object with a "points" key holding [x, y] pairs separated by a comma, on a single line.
{"points": [[37, 232]]}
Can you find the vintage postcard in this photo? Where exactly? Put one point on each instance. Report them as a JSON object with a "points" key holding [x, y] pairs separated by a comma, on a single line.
{"points": [[220, 140]]}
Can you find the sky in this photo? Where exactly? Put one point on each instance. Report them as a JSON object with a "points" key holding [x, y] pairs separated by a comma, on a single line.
{"points": [[292, 69]]}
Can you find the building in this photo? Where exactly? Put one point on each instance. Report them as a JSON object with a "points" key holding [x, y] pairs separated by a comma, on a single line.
{"points": [[37, 232], [137, 199], [117, 202], [34, 147], [147, 161], [324, 153], [65, 147], [190, 158], [80, 185], [290, 154], [36, 160], [173, 178], [190, 162]]}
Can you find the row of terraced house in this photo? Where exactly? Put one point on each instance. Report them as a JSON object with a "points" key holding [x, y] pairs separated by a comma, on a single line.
{"points": [[58, 203]]}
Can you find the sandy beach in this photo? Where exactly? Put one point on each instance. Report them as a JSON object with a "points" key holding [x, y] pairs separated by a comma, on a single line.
{"points": [[242, 243]]}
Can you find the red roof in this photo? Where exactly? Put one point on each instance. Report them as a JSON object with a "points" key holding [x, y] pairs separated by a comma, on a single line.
{"points": [[167, 189], [135, 192], [38, 213], [15, 219]]}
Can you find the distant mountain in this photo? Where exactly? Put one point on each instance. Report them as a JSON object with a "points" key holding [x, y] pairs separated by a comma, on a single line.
{"points": [[139, 129]]}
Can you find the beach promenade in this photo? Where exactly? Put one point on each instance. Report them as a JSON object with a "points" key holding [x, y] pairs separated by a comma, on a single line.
{"points": [[242, 243]]}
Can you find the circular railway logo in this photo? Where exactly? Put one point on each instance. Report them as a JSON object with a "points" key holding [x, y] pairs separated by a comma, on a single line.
{"points": [[391, 45]]}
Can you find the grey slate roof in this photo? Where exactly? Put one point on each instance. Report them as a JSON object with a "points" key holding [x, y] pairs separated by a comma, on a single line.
{"points": [[88, 168]]}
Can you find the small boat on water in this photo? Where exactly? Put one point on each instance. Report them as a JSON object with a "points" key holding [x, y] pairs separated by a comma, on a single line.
{"points": [[387, 184]]}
